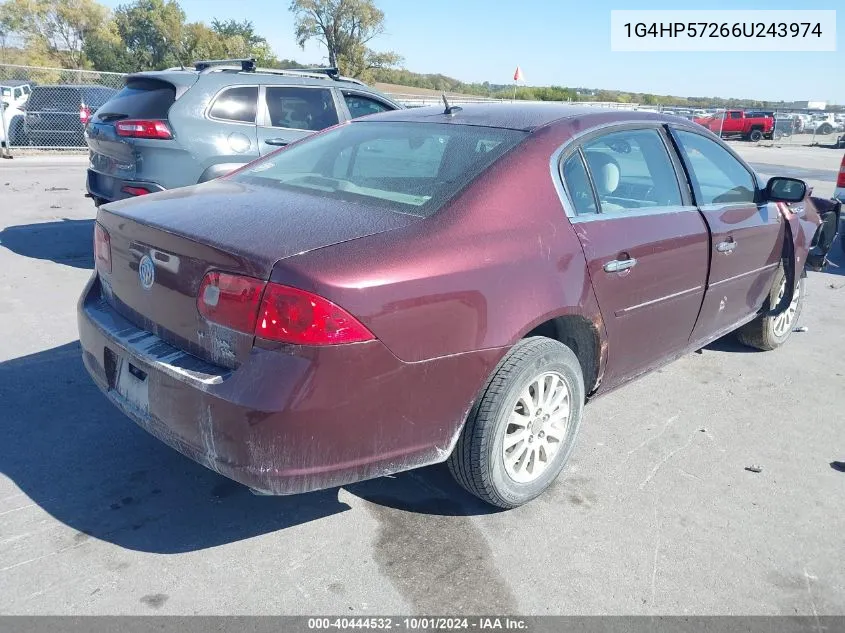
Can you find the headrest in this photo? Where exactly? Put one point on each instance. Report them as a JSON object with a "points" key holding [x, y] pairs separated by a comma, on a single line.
{"points": [[605, 171]]}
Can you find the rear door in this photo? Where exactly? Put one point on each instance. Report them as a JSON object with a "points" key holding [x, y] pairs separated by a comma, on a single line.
{"points": [[747, 237], [645, 243], [294, 112]]}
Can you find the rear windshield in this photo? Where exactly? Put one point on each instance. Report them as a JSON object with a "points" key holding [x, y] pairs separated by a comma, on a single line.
{"points": [[95, 97], [409, 167], [56, 99], [141, 99]]}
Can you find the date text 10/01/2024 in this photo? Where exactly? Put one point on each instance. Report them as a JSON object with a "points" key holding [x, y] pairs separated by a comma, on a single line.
{"points": [[724, 29], [420, 623]]}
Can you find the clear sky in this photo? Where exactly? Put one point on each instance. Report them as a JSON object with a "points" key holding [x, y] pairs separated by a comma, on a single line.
{"points": [[562, 42]]}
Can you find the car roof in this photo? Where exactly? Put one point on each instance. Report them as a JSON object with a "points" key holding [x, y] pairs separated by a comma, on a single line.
{"points": [[72, 86], [13, 83], [222, 78], [515, 115]]}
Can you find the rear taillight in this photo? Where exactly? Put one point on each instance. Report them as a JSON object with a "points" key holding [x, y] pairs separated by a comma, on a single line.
{"points": [[102, 248], [276, 312], [135, 191], [295, 316], [143, 128], [84, 114], [230, 300], [840, 181]]}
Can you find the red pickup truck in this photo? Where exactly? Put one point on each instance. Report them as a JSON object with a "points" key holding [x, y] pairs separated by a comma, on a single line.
{"points": [[737, 123]]}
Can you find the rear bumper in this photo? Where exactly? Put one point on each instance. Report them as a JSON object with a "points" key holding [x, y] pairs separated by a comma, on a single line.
{"points": [[104, 187], [286, 421]]}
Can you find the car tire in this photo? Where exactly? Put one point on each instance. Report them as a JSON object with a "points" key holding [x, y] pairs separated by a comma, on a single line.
{"points": [[768, 332], [825, 129], [755, 136], [543, 370]]}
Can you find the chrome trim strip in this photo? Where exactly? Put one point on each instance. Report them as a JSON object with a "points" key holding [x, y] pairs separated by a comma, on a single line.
{"points": [[745, 274], [630, 309], [632, 213]]}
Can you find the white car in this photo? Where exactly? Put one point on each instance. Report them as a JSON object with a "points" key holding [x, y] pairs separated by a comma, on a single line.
{"points": [[14, 92], [12, 128]]}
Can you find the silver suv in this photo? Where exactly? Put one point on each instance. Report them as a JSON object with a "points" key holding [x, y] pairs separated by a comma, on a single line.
{"points": [[178, 127]]}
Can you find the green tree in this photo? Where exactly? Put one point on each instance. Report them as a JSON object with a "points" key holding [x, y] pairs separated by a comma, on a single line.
{"points": [[251, 44], [345, 28], [58, 28], [151, 33]]}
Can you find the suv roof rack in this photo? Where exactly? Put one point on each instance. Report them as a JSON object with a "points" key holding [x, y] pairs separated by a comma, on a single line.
{"points": [[204, 65], [248, 66]]}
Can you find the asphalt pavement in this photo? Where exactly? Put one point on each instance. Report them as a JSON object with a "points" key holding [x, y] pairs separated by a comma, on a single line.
{"points": [[656, 514]]}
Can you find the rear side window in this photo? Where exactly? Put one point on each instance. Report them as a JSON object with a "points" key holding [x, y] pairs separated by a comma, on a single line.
{"points": [[578, 185], [407, 167], [631, 169], [717, 177], [301, 108], [236, 104], [55, 99], [141, 99], [360, 105]]}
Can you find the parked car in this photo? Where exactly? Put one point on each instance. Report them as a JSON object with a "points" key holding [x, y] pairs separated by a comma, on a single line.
{"points": [[419, 286], [839, 194], [15, 92], [12, 129], [739, 123], [56, 115], [175, 128]]}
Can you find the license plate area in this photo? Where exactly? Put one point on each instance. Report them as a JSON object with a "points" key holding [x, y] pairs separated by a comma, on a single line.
{"points": [[129, 380]]}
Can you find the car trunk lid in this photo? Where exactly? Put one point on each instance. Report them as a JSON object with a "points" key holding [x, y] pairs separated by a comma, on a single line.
{"points": [[221, 225]]}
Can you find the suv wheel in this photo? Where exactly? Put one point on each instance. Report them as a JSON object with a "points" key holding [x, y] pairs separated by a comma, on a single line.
{"points": [[521, 432], [755, 136]]}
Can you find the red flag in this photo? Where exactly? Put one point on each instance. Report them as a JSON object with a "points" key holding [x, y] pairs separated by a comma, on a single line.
{"points": [[517, 76]]}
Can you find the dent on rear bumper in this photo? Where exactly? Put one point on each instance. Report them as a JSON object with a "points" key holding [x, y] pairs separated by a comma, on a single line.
{"points": [[291, 420]]}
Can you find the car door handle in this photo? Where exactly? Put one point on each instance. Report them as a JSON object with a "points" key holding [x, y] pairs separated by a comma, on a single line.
{"points": [[618, 265], [280, 142], [726, 247]]}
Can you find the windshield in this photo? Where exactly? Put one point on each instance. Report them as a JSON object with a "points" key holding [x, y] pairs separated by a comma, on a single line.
{"points": [[409, 167]]}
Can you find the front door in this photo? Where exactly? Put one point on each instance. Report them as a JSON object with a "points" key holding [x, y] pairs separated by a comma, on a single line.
{"points": [[747, 237], [646, 245]]}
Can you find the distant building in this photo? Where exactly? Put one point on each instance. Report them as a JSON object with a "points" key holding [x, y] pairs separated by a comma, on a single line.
{"points": [[809, 105]]}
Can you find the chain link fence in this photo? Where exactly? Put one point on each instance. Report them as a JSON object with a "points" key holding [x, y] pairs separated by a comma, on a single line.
{"points": [[47, 108]]}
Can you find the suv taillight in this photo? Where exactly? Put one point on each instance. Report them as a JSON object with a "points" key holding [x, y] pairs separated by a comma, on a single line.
{"points": [[276, 312], [84, 114], [102, 248], [840, 181], [143, 128]]}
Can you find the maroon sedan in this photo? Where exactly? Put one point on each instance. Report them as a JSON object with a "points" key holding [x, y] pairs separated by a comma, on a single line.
{"points": [[429, 285]]}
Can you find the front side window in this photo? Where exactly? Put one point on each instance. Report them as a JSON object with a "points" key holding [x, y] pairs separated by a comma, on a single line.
{"points": [[631, 169], [360, 105], [718, 177], [407, 167], [301, 108], [236, 104]]}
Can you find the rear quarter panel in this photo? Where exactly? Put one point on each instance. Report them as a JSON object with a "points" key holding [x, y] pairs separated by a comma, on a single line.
{"points": [[498, 260]]}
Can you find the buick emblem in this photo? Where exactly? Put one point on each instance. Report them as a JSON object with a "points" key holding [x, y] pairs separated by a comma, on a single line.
{"points": [[146, 272]]}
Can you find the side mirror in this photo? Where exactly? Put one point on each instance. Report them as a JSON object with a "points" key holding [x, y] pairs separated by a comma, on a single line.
{"points": [[781, 189]]}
